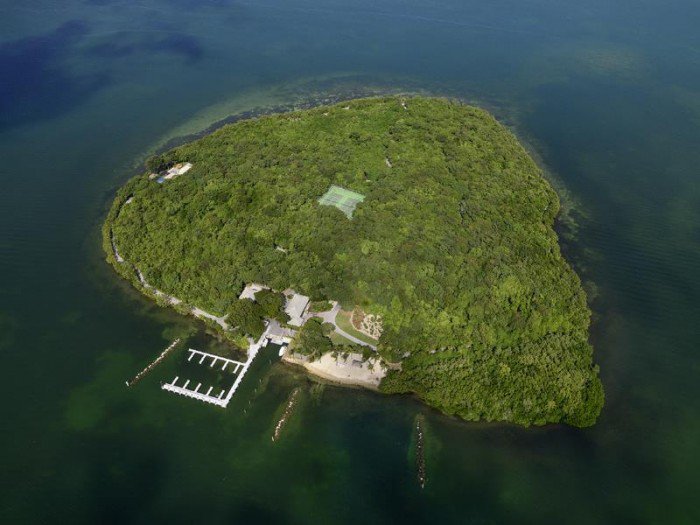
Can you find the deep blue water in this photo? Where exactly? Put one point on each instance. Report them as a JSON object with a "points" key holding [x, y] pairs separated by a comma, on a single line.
{"points": [[607, 95]]}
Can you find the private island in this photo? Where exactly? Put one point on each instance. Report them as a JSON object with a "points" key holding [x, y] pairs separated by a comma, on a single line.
{"points": [[403, 244]]}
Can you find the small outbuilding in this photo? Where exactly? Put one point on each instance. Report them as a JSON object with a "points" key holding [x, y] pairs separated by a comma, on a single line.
{"points": [[278, 334]]}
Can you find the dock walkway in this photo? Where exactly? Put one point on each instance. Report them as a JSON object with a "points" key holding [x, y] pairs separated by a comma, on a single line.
{"points": [[223, 398]]}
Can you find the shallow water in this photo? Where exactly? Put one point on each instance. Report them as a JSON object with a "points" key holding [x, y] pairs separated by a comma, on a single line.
{"points": [[607, 95]]}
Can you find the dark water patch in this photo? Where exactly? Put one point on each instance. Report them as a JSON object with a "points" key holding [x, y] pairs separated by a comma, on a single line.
{"points": [[112, 49], [641, 270], [640, 145], [626, 150], [168, 4], [36, 82], [8, 328], [141, 468], [126, 44], [254, 512], [179, 44]]}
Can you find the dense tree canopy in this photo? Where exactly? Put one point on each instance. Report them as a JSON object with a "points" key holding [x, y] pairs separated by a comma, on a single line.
{"points": [[272, 305], [453, 246], [311, 339], [248, 317]]}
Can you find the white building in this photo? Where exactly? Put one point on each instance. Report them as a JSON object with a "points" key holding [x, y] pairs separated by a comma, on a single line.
{"points": [[177, 170], [295, 307]]}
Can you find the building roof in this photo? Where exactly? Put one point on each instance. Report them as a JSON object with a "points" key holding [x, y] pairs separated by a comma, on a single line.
{"points": [[274, 329], [251, 289], [183, 167], [295, 308]]}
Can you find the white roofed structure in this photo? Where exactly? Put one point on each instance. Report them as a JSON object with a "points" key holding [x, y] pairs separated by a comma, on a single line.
{"points": [[251, 289], [178, 169], [175, 171], [295, 308]]}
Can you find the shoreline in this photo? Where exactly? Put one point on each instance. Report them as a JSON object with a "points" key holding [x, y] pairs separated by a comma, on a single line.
{"points": [[321, 368], [564, 224], [354, 372]]}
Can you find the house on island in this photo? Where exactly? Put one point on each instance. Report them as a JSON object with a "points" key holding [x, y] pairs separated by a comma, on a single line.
{"points": [[296, 307], [177, 170], [251, 289], [278, 334]]}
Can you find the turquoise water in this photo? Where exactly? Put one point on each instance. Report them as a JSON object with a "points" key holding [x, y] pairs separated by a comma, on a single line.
{"points": [[606, 94]]}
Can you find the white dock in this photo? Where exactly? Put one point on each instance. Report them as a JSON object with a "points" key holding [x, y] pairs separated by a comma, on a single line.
{"points": [[214, 359], [224, 397]]}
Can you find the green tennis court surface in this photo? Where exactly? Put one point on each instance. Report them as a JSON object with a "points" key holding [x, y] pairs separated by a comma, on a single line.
{"points": [[344, 200]]}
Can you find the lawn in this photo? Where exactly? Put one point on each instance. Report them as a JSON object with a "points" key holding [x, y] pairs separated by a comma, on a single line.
{"points": [[339, 340], [343, 322]]}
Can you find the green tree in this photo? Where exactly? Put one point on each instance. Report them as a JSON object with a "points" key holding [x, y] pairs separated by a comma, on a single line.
{"points": [[248, 317], [311, 341], [156, 164], [272, 304]]}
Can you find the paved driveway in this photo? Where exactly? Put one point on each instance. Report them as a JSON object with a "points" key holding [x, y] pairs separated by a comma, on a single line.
{"points": [[329, 317]]}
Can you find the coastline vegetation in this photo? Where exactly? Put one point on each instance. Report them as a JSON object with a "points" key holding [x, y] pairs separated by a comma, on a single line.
{"points": [[453, 246]]}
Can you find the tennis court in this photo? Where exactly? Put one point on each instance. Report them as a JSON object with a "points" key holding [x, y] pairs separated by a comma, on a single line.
{"points": [[344, 200]]}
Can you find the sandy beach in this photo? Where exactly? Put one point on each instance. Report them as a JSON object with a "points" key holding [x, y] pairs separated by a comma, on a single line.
{"points": [[343, 371]]}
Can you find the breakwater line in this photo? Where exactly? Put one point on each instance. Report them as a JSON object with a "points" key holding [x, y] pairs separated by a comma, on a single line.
{"points": [[155, 362], [420, 451], [291, 404]]}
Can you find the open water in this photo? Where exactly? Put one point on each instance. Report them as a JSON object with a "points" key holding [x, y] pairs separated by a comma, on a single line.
{"points": [[607, 94]]}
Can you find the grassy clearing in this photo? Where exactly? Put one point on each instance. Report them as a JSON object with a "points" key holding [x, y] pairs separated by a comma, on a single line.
{"points": [[339, 340], [344, 323]]}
